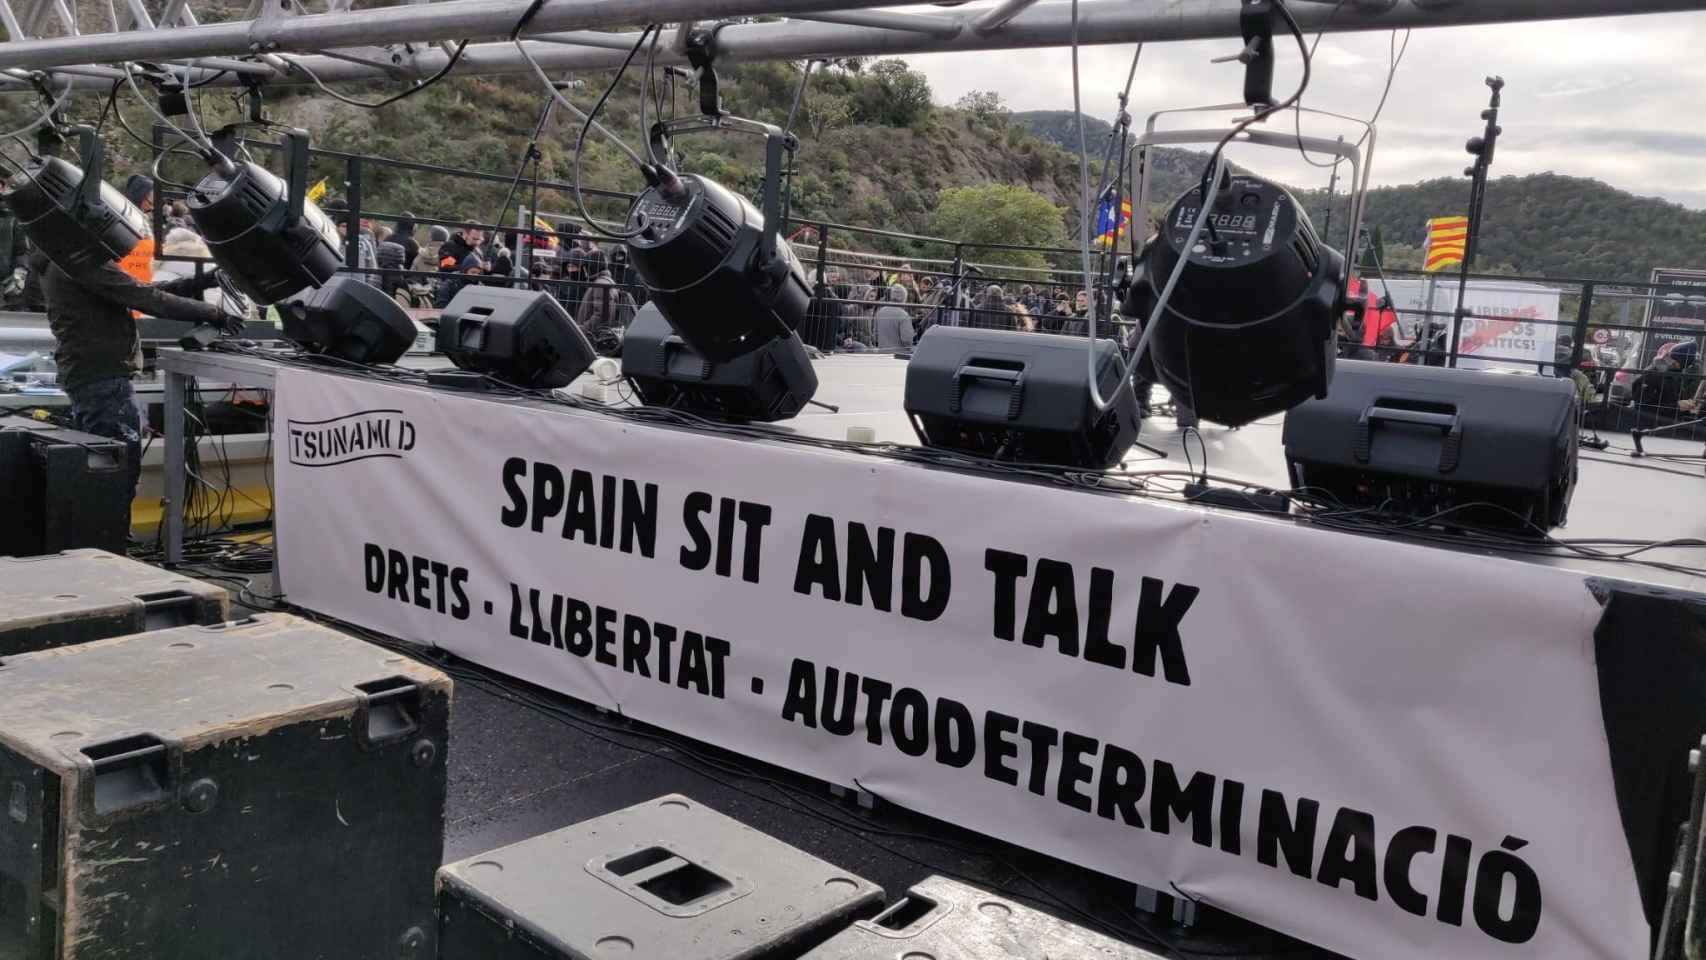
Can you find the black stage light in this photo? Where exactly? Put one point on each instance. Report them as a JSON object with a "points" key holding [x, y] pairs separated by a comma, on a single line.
{"points": [[265, 233], [1465, 448], [1024, 397], [771, 383], [1249, 330], [349, 319], [71, 214], [521, 337], [715, 265]]}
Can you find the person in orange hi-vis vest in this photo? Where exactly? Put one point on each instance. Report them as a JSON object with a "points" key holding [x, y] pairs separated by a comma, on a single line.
{"points": [[139, 263]]}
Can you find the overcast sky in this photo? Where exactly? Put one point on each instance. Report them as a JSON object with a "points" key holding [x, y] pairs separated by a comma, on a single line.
{"points": [[1617, 99]]}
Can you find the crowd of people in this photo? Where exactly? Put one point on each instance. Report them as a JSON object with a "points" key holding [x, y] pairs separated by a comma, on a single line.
{"points": [[426, 268], [860, 309]]}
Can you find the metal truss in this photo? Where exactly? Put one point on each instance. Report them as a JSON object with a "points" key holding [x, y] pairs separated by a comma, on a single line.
{"points": [[411, 41]]}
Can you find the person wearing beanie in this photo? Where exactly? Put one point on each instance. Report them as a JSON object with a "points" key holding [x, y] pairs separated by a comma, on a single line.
{"points": [[470, 266], [139, 190], [605, 308], [392, 259], [404, 235], [139, 263]]}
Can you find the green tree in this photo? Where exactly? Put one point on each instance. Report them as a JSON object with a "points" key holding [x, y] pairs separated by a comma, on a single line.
{"points": [[999, 213], [893, 95], [984, 106], [827, 112]]}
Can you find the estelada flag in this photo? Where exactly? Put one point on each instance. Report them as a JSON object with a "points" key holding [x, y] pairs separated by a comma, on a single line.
{"points": [[1447, 240], [1108, 227]]}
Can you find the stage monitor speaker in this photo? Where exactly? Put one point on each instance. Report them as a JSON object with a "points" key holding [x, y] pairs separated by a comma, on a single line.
{"points": [[1463, 448], [1023, 397], [668, 879], [61, 489], [286, 782], [349, 319], [773, 382], [523, 337], [115, 596]]}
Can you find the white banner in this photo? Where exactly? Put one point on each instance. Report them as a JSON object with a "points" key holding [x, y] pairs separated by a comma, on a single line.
{"points": [[1387, 750], [1514, 321]]}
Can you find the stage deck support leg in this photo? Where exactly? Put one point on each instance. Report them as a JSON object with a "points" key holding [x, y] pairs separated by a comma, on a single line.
{"points": [[172, 508]]}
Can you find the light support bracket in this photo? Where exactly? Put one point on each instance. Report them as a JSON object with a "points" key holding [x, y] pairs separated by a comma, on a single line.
{"points": [[91, 156], [296, 171], [1361, 161], [777, 143]]}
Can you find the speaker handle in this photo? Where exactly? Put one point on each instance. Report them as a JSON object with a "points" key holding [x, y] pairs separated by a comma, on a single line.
{"points": [[674, 344], [1450, 423], [971, 371]]}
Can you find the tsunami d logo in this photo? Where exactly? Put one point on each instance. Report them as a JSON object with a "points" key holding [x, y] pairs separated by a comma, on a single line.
{"points": [[363, 435]]}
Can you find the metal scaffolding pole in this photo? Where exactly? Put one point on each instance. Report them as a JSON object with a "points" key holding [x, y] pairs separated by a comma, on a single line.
{"points": [[1043, 25], [998, 17], [934, 26]]}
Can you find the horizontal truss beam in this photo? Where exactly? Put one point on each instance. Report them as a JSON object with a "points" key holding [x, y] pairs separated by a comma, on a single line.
{"points": [[1041, 25]]}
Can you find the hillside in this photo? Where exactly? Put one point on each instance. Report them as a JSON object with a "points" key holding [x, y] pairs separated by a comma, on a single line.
{"points": [[1548, 225], [875, 152], [1059, 128], [1539, 225]]}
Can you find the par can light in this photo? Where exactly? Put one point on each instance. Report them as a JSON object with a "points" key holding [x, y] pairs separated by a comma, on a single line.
{"points": [[264, 232], [1249, 330], [716, 265], [73, 216], [703, 257]]}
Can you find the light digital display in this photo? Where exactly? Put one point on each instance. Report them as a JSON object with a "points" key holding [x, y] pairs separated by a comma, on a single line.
{"points": [[1219, 221]]}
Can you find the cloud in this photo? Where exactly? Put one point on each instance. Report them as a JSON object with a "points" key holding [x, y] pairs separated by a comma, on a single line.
{"points": [[1599, 98]]}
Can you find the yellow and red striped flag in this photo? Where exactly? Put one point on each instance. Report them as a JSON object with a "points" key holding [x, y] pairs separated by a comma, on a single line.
{"points": [[549, 239], [1447, 238]]}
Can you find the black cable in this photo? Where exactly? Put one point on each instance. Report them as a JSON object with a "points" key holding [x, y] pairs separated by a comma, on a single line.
{"points": [[1297, 118], [111, 105], [580, 140], [154, 169], [526, 18], [207, 81], [449, 65], [119, 114]]}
